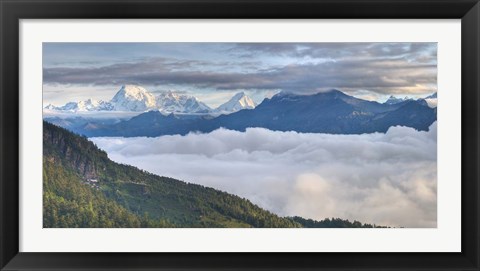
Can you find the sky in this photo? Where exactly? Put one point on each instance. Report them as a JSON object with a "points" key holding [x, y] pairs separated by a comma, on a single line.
{"points": [[388, 179], [213, 72]]}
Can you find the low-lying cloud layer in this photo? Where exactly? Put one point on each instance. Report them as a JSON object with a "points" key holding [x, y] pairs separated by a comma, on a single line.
{"points": [[386, 179]]}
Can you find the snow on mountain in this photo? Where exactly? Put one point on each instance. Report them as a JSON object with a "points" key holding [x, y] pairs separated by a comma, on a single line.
{"points": [[332, 112], [238, 102], [70, 106], [51, 107], [172, 102], [82, 106], [431, 100], [395, 100], [93, 105], [133, 98]]}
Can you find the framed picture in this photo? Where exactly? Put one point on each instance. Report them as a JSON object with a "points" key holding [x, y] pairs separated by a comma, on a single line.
{"points": [[221, 135]]}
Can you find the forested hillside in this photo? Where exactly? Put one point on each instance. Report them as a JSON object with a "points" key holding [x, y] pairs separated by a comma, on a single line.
{"points": [[83, 188]]}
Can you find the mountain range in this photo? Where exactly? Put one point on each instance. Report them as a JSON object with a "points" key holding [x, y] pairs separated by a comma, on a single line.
{"points": [[431, 100], [395, 100], [132, 98], [332, 112]]}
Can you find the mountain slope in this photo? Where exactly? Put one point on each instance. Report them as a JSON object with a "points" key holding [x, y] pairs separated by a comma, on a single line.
{"points": [[81, 184], [69, 202], [416, 114]]}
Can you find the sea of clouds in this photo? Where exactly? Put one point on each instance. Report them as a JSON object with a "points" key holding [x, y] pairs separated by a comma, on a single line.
{"points": [[386, 179]]}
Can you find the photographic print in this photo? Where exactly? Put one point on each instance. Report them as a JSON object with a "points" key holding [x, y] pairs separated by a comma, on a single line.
{"points": [[240, 135]]}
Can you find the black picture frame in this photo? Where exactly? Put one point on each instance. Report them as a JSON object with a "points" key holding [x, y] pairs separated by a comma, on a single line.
{"points": [[11, 11]]}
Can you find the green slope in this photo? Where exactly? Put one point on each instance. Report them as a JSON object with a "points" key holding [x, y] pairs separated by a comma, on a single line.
{"points": [[83, 188]]}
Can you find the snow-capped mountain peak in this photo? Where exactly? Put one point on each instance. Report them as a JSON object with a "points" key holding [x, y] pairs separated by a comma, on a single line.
{"points": [[176, 102], [133, 98], [238, 102], [395, 100], [133, 91], [82, 106]]}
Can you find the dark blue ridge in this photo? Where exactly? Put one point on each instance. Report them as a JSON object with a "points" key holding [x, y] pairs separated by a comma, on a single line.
{"points": [[332, 112]]}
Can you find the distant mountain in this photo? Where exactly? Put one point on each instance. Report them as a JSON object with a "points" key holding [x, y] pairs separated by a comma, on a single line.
{"points": [[173, 102], [83, 106], [431, 100], [133, 98], [238, 102], [78, 124], [129, 98], [330, 112], [395, 100]]}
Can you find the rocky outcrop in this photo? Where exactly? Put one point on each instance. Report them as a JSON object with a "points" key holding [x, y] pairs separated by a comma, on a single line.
{"points": [[74, 151]]}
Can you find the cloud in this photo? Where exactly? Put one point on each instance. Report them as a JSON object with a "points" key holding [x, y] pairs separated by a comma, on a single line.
{"points": [[382, 68], [414, 52], [387, 179]]}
